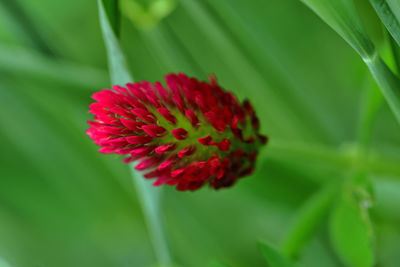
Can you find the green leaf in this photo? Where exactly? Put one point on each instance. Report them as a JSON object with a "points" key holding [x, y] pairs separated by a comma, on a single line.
{"points": [[307, 220], [389, 13], [117, 64], [273, 257], [146, 17], [351, 231], [342, 16]]}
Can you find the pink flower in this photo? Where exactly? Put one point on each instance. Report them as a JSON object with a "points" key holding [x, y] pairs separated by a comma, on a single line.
{"points": [[186, 134]]}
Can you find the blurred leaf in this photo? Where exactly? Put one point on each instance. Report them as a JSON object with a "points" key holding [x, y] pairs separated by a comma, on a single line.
{"points": [[169, 51], [117, 65], [33, 64], [342, 16], [307, 220], [26, 28], [273, 257], [3, 263], [351, 232], [371, 22], [148, 16], [215, 263], [389, 12]]}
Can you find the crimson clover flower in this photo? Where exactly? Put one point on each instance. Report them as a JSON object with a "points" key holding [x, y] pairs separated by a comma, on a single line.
{"points": [[186, 134]]}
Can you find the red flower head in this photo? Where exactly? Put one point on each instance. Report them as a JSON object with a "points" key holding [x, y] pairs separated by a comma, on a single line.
{"points": [[186, 134]]}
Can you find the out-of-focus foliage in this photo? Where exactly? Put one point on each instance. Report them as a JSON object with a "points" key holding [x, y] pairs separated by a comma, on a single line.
{"points": [[64, 204]]}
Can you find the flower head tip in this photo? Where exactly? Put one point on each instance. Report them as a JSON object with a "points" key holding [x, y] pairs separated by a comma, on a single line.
{"points": [[185, 134]]}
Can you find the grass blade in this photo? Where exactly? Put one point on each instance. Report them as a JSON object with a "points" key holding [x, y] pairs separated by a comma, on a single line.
{"points": [[389, 13], [150, 200], [342, 16], [113, 16], [117, 65]]}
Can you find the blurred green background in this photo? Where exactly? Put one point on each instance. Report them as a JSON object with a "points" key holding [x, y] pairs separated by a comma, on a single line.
{"points": [[64, 204]]}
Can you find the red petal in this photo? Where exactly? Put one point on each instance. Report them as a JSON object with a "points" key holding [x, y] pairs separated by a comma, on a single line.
{"points": [[106, 150], [147, 163], [144, 115], [192, 117], [205, 140], [132, 125], [162, 92], [263, 138], [216, 122], [224, 145], [165, 148], [179, 133], [138, 139], [167, 163], [255, 122], [167, 115], [123, 112], [248, 107], [119, 89], [154, 130], [187, 151], [142, 151], [178, 100], [134, 88]]}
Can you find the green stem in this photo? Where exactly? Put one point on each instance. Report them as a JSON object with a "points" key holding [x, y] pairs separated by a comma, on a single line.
{"points": [[330, 157], [150, 199]]}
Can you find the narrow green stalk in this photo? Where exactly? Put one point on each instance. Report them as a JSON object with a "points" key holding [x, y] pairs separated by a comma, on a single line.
{"points": [[150, 199], [330, 157]]}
